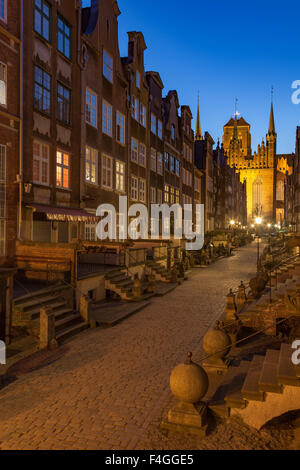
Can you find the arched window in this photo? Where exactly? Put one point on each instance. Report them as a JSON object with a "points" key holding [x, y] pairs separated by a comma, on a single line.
{"points": [[257, 196]]}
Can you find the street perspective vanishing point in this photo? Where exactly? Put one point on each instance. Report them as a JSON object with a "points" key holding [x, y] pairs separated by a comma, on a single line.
{"points": [[149, 229]]}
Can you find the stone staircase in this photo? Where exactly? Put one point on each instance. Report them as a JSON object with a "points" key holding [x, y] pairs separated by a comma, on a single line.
{"points": [[159, 271], [260, 390], [120, 283], [59, 298]]}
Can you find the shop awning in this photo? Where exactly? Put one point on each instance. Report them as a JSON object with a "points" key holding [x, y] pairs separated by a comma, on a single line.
{"points": [[65, 214]]}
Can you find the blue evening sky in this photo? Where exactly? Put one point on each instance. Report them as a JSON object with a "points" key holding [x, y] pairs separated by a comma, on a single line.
{"points": [[224, 49]]}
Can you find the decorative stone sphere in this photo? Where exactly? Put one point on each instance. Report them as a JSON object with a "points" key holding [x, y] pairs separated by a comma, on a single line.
{"points": [[216, 343], [189, 382]]}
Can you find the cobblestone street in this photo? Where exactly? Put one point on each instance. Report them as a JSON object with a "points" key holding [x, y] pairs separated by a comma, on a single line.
{"points": [[106, 388]]}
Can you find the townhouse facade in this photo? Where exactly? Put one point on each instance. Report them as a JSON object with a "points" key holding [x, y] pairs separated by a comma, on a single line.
{"points": [[10, 150], [91, 126]]}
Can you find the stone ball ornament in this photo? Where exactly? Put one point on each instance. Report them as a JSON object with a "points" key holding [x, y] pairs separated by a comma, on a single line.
{"points": [[216, 343], [189, 382]]}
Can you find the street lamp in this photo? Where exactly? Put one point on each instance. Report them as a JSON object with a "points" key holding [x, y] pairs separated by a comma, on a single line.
{"points": [[258, 222]]}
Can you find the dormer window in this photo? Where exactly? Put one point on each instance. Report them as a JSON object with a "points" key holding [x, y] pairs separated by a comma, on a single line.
{"points": [[173, 132]]}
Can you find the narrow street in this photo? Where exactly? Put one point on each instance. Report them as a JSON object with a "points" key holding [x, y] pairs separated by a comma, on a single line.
{"points": [[106, 387]]}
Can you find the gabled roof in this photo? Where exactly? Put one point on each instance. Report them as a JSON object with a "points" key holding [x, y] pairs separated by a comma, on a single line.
{"points": [[240, 122], [156, 77]]}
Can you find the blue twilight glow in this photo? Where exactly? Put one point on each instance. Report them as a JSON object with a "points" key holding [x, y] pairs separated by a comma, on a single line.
{"points": [[224, 50]]}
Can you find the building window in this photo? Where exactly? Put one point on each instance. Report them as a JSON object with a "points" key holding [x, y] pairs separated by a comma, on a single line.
{"points": [[90, 232], [142, 190], [120, 128], [107, 118], [177, 196], [159, 196], [166, 160], [120, 176], [153, 159], [64, 37], [42, 18], [62, 170], [3, 84], [142, 155], [134, 188], [167, 199], [63, 104], [172, 195], [138, 80], [172, 164], [107, 172], [143, 115], [91, 108], [91, 165], [159, 164], [135, 108], [42, 90], [40, 163], [108, 65], [152, 195], [173, 132], [177, 167], [2, 199], [134, 150], [159, 129], [153, 124]]}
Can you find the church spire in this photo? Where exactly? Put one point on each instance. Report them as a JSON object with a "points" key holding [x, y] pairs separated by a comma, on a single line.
{"points": [[198, 135], [235, 129], [272, 120]]}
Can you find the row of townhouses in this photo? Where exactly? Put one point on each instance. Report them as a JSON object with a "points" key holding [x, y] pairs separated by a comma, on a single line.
{"points": [[80, 126]]}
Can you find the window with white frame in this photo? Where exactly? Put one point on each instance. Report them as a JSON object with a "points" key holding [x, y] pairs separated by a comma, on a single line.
{"points": [[120, 176], [153, 124], [142, 155], [153, 159], [134, 188], [153, 195], [91, 165], [91, 108], [159, 196], [62, 170], [159, 129], [3, 10], [107, 172], [40, 163], [159, 163], [106, 118], [142, 186], [2, 199], [91, 232], [138, 80], [108, 65], [134, 150], [3, 84], [120, 122], [143, 120]]}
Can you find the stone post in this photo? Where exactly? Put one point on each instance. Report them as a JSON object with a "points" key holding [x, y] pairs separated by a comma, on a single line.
{"points": [[137, 288], [230, 307], [241, 298], [85, 308], [47, 328]]}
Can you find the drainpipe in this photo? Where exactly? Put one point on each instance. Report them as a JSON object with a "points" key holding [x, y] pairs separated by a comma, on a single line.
{"points": [[21, 127]]}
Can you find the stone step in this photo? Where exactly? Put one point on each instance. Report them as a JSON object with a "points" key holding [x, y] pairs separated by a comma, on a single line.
{"points": [[229, 390], [287, 374], [33, 303], [250, 389], [69, 321], [34, 314], [268, 381], [113, 274], [62, 313], [70, 331], [116, 279], [52, 290]]}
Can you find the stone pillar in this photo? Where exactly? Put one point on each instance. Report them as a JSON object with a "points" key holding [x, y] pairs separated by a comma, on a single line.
{"points": [[85, 308], [230, 307], [47, 328], [241, 298], [137, 289]]}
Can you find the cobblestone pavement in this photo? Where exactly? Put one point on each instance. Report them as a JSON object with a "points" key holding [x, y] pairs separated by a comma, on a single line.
{"points": [[109, 386]]}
